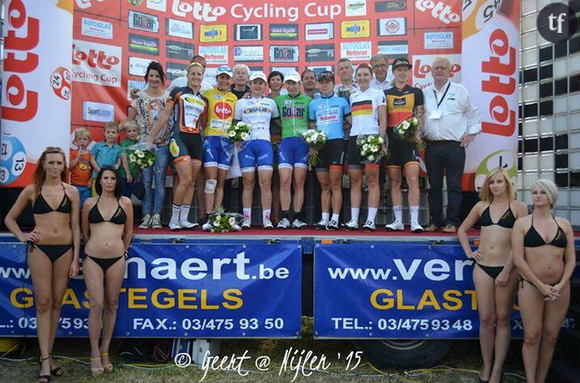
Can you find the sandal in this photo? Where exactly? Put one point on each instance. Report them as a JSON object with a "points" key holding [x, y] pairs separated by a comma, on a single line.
{"points": [[98, 370], [43, 378], [57, 371], [108, 367]]}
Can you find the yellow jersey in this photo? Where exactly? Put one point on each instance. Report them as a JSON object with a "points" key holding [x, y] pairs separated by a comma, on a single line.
{"points": [[220, 111]]}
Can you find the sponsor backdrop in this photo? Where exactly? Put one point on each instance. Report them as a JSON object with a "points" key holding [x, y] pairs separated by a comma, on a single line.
{"points": [[36, 91], [112, 52], [176, 290], [401, 290]]}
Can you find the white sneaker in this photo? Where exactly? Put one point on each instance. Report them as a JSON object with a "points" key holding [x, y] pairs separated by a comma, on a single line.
{"points": [[206, 226], [185, 224], [156, 222], [332, 225], [283, 224], [247, 223], [416, 228], [268, 224], [350, 225], [369, 226], [146, 222], [321, 224], [298, 224], [396, 225], [174, 225]]}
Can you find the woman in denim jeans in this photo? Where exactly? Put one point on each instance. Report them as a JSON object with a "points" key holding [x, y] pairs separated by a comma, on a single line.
{"points": [[146, 109]]}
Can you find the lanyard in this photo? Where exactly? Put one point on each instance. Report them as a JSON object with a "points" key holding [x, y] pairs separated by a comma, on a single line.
{"points": [[444, 94]]}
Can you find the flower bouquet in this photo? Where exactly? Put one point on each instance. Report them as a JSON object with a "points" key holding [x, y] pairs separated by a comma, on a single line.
{"points": [[141, 155], [222, 222], [371, 148], [239, 132], [315, 140], [407, 131]]}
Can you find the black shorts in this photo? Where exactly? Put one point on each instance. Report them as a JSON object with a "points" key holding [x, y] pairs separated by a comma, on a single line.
{"points": [[401, 152], [186, 147], [331, 155]]}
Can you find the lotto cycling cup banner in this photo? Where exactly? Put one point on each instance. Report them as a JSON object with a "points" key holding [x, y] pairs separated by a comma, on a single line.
{"points": [[490, 43], [36, 84], [395, 290], [175, 290]]}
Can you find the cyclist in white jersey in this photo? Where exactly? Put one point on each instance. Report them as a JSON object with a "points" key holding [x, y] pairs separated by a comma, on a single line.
{"points": [[258, 111]]}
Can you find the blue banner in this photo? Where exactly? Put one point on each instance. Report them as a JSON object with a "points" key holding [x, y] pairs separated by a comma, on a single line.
{"points": [[395, 290], [204, 289]]}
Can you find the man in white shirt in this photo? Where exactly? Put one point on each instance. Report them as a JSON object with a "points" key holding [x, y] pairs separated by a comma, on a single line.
{"points": [[451, 123], [347, 86], [382, 73]]}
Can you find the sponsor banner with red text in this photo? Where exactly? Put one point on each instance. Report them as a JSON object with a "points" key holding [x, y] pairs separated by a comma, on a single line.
{"points": [[36, 90], [490, 50]]}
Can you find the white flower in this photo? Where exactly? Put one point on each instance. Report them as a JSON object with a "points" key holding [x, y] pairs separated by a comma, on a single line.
{"points": [[140, 154], [218, 217], [415, 121], [216, 223], [381, 141], [232, 133], [371, 158], [232, 221], [244, 136], [374, 148], [309, 140], [132, 158], [365, 147], [139, 162]]}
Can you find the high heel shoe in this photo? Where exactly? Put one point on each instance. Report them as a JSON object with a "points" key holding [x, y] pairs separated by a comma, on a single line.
{"points": [[57, 371], [98, 370], [43, 378], [108, 367]]}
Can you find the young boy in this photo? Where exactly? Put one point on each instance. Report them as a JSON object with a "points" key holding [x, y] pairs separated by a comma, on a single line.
{"points": [[80, 164], [129, 172], [107, 152]]}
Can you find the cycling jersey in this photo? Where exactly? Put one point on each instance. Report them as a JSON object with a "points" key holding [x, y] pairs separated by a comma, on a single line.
{"points": [[220, 111], [364, 107], [328, 113], [294, 114], [188, 110], [401, 104], [257, 112]]}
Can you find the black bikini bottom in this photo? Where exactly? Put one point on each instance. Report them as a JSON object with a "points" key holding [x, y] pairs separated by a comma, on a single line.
{"points": [[521, 281], [105, 263], [492, 271], [53, 252]]}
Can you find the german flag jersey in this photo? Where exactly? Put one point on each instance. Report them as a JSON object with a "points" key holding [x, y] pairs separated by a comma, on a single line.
{"points": [[364, 108], [220, 111], [402, 103], [189, 109]]}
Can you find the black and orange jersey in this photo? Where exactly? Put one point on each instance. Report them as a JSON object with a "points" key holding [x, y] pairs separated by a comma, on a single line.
{"points": [[189, 109], [402, 104]]}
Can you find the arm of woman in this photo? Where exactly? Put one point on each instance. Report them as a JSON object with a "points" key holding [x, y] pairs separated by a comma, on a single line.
{"points": [[348, 120], [128, 232], [521, 210], [163, 118], [76, 229], [23, 200], [467, 224], [383, 120], [518, 233], [569, 256], [89, 203]]}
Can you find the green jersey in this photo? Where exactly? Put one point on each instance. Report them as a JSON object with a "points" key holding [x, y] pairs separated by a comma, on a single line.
{"points": [[294, 114]]}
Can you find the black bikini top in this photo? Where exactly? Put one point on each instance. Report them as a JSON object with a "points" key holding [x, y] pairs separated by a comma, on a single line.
{"points": [[119, 217], [507, 220], [534, 239], [40, 205]]}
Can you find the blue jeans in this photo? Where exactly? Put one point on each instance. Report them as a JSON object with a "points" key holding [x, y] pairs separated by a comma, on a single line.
{"points": [[128, 187], [153, 201], [84, 193]]}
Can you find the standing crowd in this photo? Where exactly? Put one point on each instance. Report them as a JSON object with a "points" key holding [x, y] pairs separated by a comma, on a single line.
{"points": [[531, 255]]}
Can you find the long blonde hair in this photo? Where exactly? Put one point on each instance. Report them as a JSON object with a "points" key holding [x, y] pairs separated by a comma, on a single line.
{"points": [[485, 193], [39, 175]]}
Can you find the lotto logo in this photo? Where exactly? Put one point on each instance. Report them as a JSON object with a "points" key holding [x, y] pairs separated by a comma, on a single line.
{"points": [[94, 59], [439, 10], [421, 70], [223, 111]]}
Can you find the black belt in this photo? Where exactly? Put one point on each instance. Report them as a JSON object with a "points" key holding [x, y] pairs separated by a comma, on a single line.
{"points": [[441, 142]]}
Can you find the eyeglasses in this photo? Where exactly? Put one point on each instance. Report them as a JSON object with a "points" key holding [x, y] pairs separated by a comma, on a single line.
{"points": [[380, 66]]}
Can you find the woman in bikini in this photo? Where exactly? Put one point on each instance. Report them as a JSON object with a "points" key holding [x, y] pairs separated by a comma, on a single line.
{"points": [[107, 231], [53, 246], [543, 249], [494, 274]]}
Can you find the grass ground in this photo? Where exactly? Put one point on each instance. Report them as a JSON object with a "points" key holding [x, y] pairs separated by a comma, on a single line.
{"points": [[464, 360]]}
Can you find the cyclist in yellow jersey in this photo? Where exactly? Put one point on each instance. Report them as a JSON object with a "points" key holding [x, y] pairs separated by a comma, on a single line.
{"points": [[217, 148]]}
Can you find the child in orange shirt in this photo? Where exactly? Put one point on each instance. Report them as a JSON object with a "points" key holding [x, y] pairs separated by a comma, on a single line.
{"points": [[80, 164]]}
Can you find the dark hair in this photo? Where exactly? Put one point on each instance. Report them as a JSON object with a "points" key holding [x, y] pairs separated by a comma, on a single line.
{"points": [[307, 71], [274, 74], [154, 65], [118, 186], [364, 66]]}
